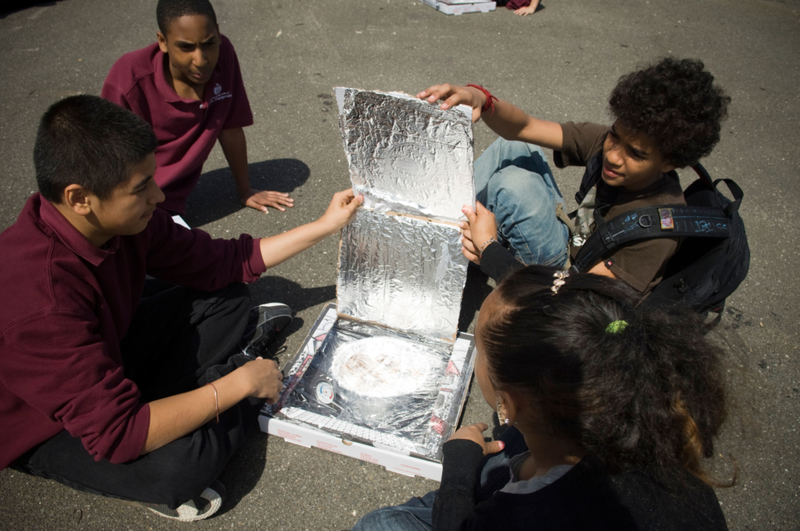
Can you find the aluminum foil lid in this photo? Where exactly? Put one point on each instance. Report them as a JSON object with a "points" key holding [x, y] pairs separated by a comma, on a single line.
{"points": [[402, 272], [406, 154]]}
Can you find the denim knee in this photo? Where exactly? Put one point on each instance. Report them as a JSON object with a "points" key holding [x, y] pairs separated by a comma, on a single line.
{"points": [[524, 205]]}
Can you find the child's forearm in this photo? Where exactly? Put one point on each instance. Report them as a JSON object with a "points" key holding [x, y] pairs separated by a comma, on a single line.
{"points": [[512, 123], [234, 147], [281, 247], [175, 416]]}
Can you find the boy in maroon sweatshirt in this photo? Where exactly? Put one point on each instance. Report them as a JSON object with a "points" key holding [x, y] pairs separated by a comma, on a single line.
{"points": [[189, 88], [143, 399]]}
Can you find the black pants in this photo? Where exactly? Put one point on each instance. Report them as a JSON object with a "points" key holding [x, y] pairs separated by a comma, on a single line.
{"points": [[180, 339]]}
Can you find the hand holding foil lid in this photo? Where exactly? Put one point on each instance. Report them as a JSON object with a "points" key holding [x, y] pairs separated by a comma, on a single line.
{"points": [[407, 155], [411, 158]]}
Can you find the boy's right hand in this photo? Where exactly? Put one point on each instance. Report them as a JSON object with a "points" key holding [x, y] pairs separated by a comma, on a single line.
{"points": [[265, 378], [455, 95], [341, 209]]}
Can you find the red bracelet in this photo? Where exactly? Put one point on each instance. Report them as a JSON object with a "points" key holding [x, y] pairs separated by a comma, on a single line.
{"points": [[489, 99]]}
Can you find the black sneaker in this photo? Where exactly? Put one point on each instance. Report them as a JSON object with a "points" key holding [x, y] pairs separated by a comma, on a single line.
{"points": [[270, 319], [195, 509]]}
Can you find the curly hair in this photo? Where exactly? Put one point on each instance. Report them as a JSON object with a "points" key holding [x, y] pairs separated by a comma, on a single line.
{"points": [[168, 11], [647, 397], [676, 103]]}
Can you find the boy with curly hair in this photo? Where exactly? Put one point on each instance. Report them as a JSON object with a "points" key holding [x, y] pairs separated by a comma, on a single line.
{"points": [[666, 116], [189, 88]]}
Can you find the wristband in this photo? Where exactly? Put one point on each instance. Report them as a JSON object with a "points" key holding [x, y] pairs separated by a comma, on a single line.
{"points": [[216, 399], [489, 99], [485, 245]]}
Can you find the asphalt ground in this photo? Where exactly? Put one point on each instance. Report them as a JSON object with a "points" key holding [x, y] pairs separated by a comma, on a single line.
{"points": [[559, 64]]}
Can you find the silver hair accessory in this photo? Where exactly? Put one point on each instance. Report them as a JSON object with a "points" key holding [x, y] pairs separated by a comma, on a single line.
{"points": [[559, 281]]}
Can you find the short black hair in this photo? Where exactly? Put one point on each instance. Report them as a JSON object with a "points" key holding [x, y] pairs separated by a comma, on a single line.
{"points": [[646, 393], [89, 141], [167, 11], [675, 102]]}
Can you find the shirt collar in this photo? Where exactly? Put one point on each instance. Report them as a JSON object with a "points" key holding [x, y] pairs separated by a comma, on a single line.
{"points": [[57, 226]]}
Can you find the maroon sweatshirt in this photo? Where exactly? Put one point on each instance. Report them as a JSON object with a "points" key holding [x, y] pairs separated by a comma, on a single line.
{"points": [[65, 305]]}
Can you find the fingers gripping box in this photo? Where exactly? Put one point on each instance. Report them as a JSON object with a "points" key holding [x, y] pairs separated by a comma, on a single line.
{"points": [[383, 374]]}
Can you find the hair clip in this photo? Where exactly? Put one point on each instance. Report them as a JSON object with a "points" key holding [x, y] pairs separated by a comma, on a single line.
{"points": [[559, 281], [615, 327]]}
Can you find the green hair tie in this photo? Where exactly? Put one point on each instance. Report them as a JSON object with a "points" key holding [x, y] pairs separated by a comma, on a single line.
{"points": [[615, 327]]}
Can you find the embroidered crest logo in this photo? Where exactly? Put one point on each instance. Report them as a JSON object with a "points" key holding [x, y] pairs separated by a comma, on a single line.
{"points": [[217, 89]]}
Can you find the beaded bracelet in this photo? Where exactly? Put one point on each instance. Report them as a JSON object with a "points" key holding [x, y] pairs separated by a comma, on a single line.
{"points": [[489, 99], [485, 245]]}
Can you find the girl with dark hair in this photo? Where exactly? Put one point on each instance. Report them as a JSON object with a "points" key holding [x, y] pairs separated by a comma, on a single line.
{"points": [[610, 410]]}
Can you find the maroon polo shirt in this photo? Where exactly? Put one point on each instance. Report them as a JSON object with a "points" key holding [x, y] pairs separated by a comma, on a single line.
{"points": [[66, 305], [186, 129]]}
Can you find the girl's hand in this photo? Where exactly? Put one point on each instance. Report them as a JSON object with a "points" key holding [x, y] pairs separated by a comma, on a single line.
{"points": [[474, 433], [341, 209], [455, 95], [479, 228]]}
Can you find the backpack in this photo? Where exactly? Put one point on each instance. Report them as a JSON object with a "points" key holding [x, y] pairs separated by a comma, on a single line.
{"points": [[713, 258]]}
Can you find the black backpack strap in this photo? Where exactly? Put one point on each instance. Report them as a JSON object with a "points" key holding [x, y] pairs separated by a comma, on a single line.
{"points": [[590, 176], [658, 221], [736, 192]]}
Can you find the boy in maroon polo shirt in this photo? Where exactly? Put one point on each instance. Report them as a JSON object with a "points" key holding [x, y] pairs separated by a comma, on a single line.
{"points": [[143, 399], [188, 87]]}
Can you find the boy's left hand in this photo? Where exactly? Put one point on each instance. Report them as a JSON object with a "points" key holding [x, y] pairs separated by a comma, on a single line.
{"points": [[474, 433], [260, 200]]}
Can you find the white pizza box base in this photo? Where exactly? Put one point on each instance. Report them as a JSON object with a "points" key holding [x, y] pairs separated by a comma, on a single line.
{"points": [[458, 9], [308, 437], [305, 428]]}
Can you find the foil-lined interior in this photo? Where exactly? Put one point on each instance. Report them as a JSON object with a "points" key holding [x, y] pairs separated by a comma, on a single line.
{"points": [[388, 368], [407, 155], [383, 387], [402, 272]]}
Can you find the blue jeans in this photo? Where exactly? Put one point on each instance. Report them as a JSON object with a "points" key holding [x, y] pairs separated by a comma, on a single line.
{"points": [[414, 515], [514, 181]]}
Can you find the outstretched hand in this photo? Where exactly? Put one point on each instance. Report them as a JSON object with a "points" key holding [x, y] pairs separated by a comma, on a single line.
{"points": [[455, 95], [260, 200], [474, 433], [341, 209], [479, 228]]}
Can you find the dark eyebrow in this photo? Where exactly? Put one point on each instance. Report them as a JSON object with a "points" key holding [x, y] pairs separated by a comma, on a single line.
{"points": [[637, 152], [142, 184]]}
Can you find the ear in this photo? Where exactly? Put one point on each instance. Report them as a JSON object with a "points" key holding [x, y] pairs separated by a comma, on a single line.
{"points": [[162, 42], [508, 405], [78, 199]]}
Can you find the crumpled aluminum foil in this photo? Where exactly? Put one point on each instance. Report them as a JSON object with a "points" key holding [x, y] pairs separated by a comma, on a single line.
{"points": [[402, 272], [407, 155]]}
